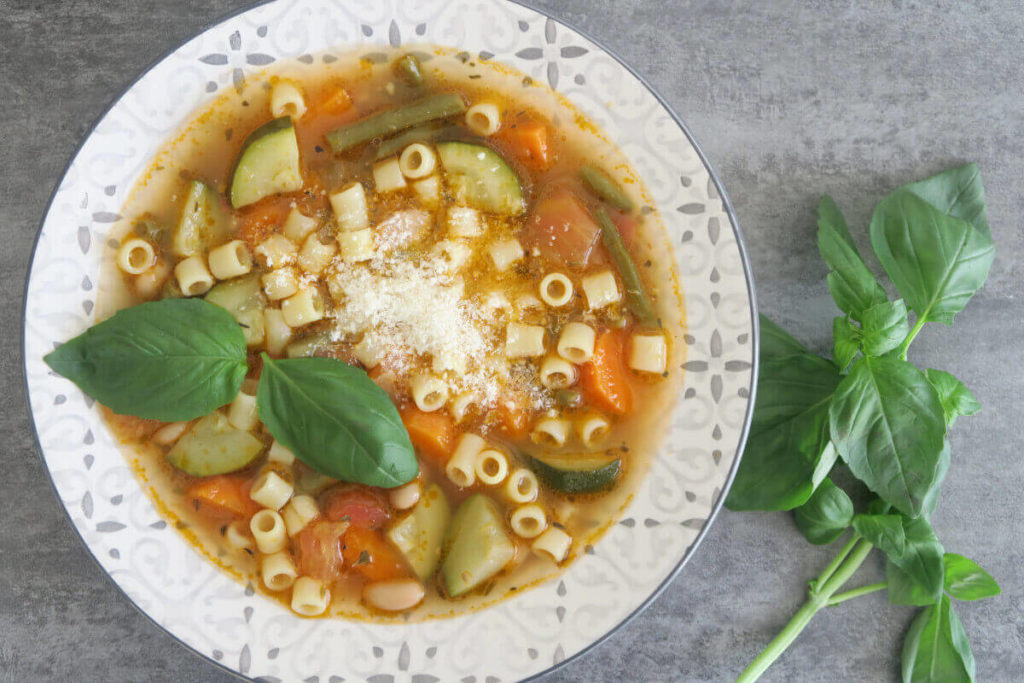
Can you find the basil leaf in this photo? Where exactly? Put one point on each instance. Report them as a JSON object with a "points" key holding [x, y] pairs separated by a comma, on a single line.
{"points": [[845, 342], [776, 342], [936, 261], [956, 399], [825, 515], [931, 498], [883, 327], [936, 647], [965, 580], [336, 420], [885, 532], [922, 556], [788, 434], [886, 422], [167, 360], [956, 192], [852, 285], [903, 590]]}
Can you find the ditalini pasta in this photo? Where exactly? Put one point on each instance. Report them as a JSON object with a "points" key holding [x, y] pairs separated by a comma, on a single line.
{"points": [[436, 229]]}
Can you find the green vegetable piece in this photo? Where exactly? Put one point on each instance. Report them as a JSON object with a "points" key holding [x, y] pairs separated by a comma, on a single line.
{"points": [[243, 297], [605, 188], [845, 341], [568, 398], [149, 229], [956, 192], [392, 121], [308, 345], [788, 451], [936, 647], [883, 327], [424, 133], [966, 580], [336, 420], [825, 515], [776, 342], [885, 532], [956, 399], [268, 164], [478, 546], [167, 360], [636, 296], [936, 261], [931, 498], [420, 534], [214, 446], [408, 68], [886, 422], [480, 177], [852, 285], [204, 221], [578, 473]]}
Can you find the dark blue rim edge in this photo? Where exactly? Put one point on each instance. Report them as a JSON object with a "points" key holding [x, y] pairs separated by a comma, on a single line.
{"points": [[740, 244]]}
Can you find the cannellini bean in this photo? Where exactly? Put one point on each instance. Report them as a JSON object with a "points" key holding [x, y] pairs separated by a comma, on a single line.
{"points": [[404, 497], [395, 595]]}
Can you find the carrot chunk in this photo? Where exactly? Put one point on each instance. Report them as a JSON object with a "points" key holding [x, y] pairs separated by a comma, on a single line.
{"points": [[529, 141], [604, 380], [366, 552], [432, 434], [222, 496]]}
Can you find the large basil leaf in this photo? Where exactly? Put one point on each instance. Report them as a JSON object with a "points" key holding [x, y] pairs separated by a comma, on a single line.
{"points": [[957, 192], [883, 327], [845, 341], [966, 580], [788, 434], [956, 399], [936, 261], [936, 647], [776, 342], [336, 420], [825, 515], [921, 559], [885, 532], [887, 424], [167, 360], [852, 285], [931, 498], [903, 590]]}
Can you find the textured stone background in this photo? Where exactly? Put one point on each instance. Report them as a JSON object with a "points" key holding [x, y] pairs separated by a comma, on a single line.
{"points": [[790, 99]]}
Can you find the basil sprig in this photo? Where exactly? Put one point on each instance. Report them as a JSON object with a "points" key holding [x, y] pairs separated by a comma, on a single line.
{"points": [[870, 415]]}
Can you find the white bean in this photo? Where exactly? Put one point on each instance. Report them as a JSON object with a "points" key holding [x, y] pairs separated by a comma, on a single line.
{"points": [[395, 595], [404, 497]]}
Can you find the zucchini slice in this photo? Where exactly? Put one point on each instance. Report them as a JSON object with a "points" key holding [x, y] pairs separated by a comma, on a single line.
{"points": [[419, 534], [243, 298], [214, 446], [204, 221], [478, 544], [578, 473], [268, 164], [480, 177]]}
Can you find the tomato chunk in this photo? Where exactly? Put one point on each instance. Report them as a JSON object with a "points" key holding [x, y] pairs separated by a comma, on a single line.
{"points": [[257, 221], [368, 553], [360, 505], [604, 379], [319, 550], [562, 229], [432, 434], [223, 496]]}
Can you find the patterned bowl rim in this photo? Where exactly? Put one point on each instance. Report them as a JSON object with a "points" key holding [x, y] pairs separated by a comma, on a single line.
{"points": [[726, 206]]}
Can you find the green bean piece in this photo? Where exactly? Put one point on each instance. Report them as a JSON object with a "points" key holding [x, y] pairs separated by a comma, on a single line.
{"points": [[605, 188], [427, 131], [408, 68], [394, 120], [148, 229], [568, 398], [636, 297]]}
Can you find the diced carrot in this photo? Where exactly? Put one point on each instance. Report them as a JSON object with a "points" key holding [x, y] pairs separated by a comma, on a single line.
{"points": [[319, 550], [432, 434], [334, 101], [368, 553], [604, 380], [513, 420], [562, 229], [257, 221], [529, 141], [363, 506], [222, 496]]}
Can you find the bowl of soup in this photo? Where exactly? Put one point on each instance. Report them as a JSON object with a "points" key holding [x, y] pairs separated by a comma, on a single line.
{"points": [[390, 339]]}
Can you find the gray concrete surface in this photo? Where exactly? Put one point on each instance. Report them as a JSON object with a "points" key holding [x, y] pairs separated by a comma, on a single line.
{"points": [[790, 99]]}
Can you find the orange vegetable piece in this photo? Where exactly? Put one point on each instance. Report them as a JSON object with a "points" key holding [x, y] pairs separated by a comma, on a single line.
{"points": [[222, 496], [562, 229], [257, 221], [366, 552], [529, 140], [335, 101], [604, 380], [432, 434], [513, 421], [363, 506], [319, 550]]}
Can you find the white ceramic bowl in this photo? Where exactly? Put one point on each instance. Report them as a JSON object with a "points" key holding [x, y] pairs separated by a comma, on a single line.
{"points": [[521, 637]]}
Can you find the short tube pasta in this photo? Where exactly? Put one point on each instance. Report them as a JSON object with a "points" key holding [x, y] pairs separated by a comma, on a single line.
{"points": [[230, 260], [553, 543], [315, 255], [522, 486], [310, 597], [286, 100], [491, 467], [281, 283], [552, 432], [524, 341], [556, 289], [237, 538], [356, 246], [368, 351], [271, 491], [302, 308], [148, 283], [417, 161], [268, 531], [298, 225], [557, 373], [483, 118], [170, 432], [280, 453], [136, 256], [576, 342], [276, 251], [461, 404], [648, 353], [428, 392], [387, 175], [278, 571], [428, 191], [193, 277], [505, 252], [242, 412], [593, 429], [528, 521], [278, 332], [350, 209], [600, 289], [461, 467], [298, 513], [463, 222]]}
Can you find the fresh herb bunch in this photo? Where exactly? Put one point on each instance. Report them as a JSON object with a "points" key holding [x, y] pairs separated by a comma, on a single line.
{"points": [[882, 418]]}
